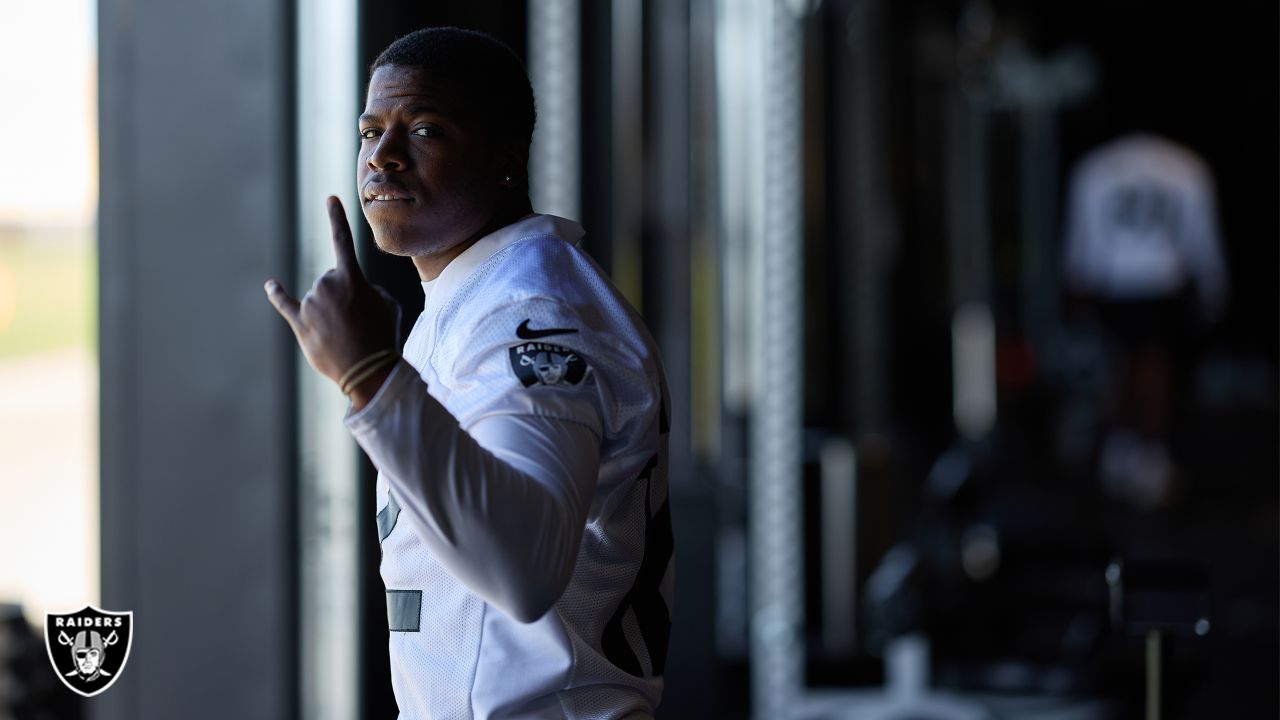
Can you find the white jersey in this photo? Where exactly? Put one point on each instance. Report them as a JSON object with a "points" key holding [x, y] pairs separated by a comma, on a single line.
{"points": [[1142, 224], [516, 587]]}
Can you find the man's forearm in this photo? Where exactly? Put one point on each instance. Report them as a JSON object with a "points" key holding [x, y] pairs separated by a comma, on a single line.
{"points": [[510, 535]]}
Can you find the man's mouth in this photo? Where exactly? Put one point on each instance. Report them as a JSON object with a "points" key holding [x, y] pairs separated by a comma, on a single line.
{"points": [[385, 193]]}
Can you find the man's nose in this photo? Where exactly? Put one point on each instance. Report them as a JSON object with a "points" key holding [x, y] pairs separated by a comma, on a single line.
{"points": [[389, 153]]}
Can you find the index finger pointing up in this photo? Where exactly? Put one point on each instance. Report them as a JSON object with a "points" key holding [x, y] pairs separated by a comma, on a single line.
{"points": [[344, 248]]}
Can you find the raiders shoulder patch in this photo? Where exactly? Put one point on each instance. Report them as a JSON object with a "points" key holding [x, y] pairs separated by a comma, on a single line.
{"points": [[548, 364]]}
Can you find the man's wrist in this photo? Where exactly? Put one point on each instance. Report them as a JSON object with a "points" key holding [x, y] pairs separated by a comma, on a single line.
{"points": [[364, 390]]}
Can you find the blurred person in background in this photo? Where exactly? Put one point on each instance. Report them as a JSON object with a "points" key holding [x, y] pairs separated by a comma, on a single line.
{"points": [[1142, 249]]}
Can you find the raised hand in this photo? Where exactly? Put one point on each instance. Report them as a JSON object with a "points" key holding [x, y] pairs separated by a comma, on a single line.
{"points": [[342, 318]]}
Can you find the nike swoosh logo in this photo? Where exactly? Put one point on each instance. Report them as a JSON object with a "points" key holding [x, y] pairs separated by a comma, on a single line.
{"points": [[524, 333]]}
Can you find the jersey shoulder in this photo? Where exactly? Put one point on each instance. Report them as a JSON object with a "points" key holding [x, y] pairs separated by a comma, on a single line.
{"points": [[539, 325], [540, 264], [542, 282]]}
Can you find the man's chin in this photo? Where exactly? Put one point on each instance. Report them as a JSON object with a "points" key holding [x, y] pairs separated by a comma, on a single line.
{"points": [[393, 248], [406, 243], [397, 243]]}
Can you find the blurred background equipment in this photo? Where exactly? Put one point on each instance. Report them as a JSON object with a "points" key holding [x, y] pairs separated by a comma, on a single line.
{"points": [[28, 689], [969, 311]]}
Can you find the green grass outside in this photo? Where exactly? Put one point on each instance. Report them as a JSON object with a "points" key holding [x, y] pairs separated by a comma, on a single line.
{"points": [[48, 291]]}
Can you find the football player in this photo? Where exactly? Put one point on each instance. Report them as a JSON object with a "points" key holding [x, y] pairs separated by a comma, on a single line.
{"points": [[520, 438]]}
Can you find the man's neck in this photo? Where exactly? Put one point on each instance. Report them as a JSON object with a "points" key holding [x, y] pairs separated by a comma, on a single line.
{"points": [[430, 266]]}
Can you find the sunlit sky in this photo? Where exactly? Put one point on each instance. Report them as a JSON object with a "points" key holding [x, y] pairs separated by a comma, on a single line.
{"points": [[48, 116]]}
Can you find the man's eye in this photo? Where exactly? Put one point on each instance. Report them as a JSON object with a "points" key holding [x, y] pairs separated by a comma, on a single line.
{"points": [[368, 133], [427, 131]]}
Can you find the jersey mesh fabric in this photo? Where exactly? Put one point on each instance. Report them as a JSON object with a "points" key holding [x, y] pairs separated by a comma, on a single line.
{"points": [[435, 667], [470, 659], [606, 566]]}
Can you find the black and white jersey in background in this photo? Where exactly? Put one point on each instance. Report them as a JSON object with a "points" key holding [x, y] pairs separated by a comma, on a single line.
{"points": [[1142, 224]]}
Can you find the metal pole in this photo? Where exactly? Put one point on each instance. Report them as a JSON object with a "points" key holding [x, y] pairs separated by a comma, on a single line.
{"points": [[1154, 642], [777, 546], [627, 146], [555, 69], [329, 572]]}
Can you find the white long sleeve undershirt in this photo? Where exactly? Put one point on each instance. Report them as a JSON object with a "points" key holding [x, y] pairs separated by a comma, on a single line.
{"points": [[502, 506]]}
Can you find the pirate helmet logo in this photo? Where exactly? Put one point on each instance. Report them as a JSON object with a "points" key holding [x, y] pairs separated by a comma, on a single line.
{"points": [[88, 648], [547, 364]]}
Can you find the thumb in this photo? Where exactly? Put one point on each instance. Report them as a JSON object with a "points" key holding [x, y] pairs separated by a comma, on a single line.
{"points": [[285, 304]]}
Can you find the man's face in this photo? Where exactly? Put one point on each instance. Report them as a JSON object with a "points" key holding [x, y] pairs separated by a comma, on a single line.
{"points": [[550, 367], [429, 172], [87, 660]]}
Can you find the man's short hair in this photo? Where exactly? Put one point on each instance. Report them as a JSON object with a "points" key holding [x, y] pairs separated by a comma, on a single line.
{"points": [[481, 68]]}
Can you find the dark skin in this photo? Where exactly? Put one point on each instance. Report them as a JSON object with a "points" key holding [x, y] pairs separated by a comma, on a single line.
{"points": [[433, 178]]}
